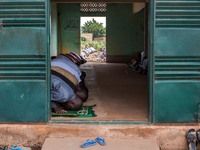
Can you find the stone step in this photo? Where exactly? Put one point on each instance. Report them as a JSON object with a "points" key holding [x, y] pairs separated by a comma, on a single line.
{"points": [[111, 144], [167, 136]]}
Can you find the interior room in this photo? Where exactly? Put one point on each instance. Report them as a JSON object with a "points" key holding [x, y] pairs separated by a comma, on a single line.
{"points": [[117, 91]]}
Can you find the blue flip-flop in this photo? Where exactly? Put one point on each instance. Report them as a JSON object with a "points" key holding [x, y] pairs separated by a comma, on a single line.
{"points": [[100, 140], [16, 148], [88, 143]]}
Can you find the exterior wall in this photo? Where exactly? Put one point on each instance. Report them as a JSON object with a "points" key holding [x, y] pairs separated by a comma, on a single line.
{"points": [[88, 36], [100, 39], [35, 134]]}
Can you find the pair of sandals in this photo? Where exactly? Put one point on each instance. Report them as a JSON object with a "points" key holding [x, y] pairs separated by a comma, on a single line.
{"points": [[90, 142], [193, 138]]}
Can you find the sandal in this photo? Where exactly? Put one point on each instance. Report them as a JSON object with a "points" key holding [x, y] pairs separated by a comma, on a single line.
{"points": [[88, 143], [192, 139], [100, 140]]}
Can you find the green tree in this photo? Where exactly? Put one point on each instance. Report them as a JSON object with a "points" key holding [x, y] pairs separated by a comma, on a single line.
{"points": [[94, 27]]}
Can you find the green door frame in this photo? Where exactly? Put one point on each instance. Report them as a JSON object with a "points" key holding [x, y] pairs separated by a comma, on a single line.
{"points": [[151, 19], [48, 12], [150, 71]]}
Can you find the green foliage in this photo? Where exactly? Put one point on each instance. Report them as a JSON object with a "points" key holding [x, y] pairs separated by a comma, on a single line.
{"points": [[83, 39], [94, 27]]}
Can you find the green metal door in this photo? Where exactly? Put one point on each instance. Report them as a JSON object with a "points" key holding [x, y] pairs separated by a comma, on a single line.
{"points": [[24, 65], [176, 60]]}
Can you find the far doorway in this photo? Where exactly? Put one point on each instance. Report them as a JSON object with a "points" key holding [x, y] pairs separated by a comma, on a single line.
{"points": [[93, 38]]}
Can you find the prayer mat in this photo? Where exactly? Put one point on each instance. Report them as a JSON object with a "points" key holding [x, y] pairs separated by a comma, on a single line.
{"points": [[83, 112]]}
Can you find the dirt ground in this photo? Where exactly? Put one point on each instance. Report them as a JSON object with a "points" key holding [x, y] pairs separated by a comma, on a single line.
{"points": [[36, 147]]}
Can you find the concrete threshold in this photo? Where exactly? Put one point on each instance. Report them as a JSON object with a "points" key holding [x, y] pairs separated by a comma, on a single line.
{"points": [[111, 144], [167, 136]]}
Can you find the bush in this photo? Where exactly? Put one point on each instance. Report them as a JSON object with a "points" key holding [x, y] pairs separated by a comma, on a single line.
{"points": [[83, 39]]}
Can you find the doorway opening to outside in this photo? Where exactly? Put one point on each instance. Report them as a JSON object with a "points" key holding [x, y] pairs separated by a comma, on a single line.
{"points": [[93, 38]]}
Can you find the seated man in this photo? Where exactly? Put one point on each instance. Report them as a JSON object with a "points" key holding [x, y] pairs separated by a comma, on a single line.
{"points": [[143, 66]]}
